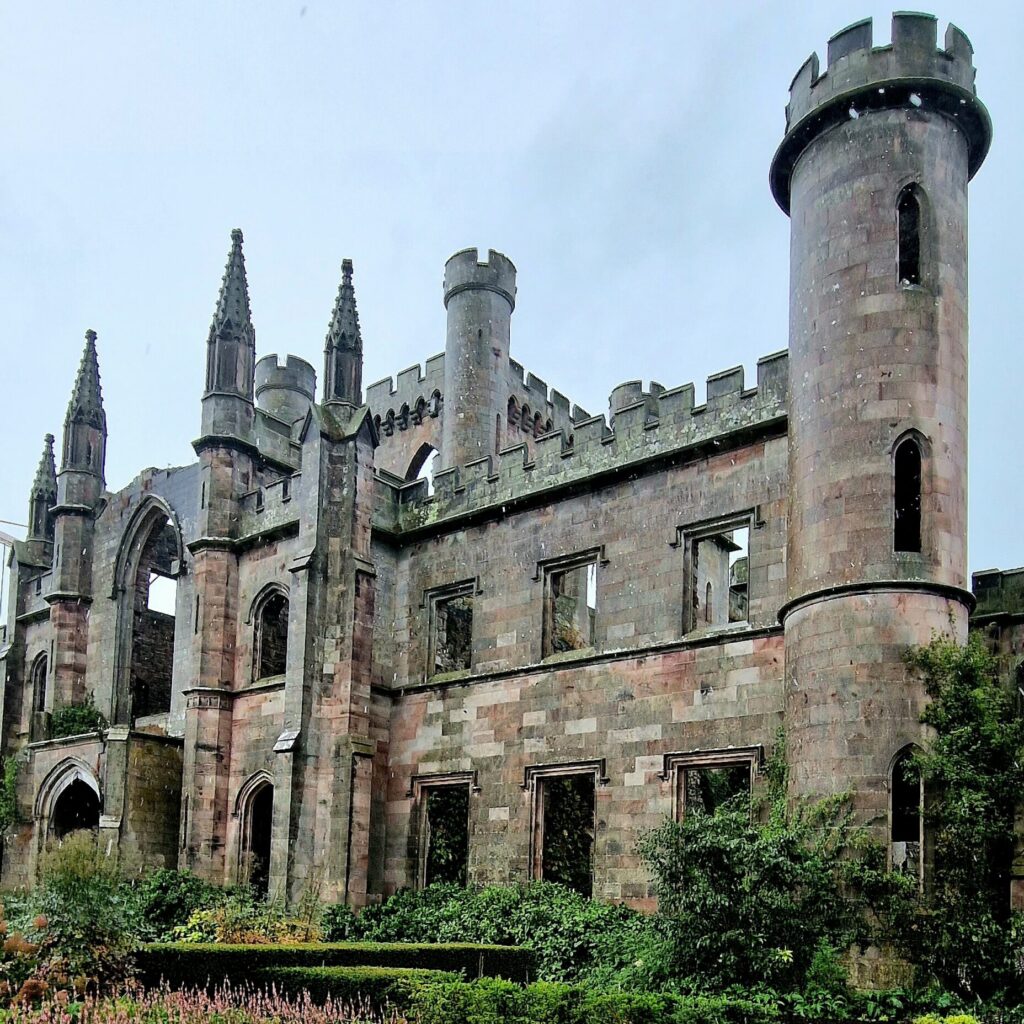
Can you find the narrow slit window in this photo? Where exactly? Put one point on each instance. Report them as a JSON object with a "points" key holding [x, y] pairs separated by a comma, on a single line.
{"points": [[906, 835], [907, 512], [908, 214]]}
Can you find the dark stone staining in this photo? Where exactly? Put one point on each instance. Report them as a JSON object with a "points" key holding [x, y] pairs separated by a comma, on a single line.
{"points": [[907, 517], [153, 628], [273, 637], [76, 808], [453, 634], [447, 839], [568, 819]]}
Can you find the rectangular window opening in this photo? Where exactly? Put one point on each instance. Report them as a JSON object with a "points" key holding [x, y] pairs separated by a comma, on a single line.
{"points": [[570, 608], [445, 833], [451, 629], [564, 830], [718, 573], [707, 781]]}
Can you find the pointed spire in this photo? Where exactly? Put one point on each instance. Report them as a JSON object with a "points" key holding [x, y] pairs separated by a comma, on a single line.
{"points": [[45, 483], [343, 349], [232, 317], [86, 405]]}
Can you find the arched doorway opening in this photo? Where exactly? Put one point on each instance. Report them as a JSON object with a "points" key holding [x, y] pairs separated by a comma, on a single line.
{"points": [[423, 465], [257, 828], [77, 807]]}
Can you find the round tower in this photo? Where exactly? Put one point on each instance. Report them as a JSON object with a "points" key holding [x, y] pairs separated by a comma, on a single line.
{"points": [[285, 391], [479, 298], [873, 172]]}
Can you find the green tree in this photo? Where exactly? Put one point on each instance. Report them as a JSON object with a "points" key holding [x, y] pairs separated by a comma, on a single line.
{"points": [[973, 772]]}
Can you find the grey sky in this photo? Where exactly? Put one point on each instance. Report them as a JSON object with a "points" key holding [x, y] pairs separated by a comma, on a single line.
{"points": [[618, 153]]}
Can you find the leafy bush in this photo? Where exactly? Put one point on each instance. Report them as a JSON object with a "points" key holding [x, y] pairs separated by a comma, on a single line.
{"points": [[166, 899], [754, 902], [573, 937], [973, 772], [186, 965], [86, 917], [74, 719], [8, 793]]}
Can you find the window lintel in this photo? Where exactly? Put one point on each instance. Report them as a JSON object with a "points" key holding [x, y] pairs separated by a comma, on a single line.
{"points": [[572, 560], [533, 772]]}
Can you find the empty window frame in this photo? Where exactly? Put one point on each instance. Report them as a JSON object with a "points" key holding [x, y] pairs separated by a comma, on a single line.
{"points": [[450, 624], [704, 780], [271, 655], [38, 679], [442, 819], [908, 221], [906, 816], [717, 572], [564, 822], [570, 603], [907, 464]]}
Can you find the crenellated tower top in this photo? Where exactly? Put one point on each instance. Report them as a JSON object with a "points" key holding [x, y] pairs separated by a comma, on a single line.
{"points": [[911, 72], [465, 272]]}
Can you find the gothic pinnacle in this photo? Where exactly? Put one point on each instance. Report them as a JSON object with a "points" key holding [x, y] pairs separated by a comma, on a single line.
{"points": [[86, 405], [233, 315], [343, 331], [45, 483]]}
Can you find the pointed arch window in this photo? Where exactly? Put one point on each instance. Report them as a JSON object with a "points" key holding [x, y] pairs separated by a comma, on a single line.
{"points": [[39, 667], [907, 494], [272, 635], [908, 217]]}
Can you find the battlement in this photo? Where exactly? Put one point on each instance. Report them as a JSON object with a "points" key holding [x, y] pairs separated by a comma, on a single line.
{"points": [[657, 423], [417, 393], [294, 374], [464, 272], [632, 393], [529, 389], [911, 71]]}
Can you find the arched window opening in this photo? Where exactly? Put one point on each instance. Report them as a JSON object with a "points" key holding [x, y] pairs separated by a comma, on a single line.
{"points": [[272, 637], [907, 512], [423, 465], [39, 685], [907, 817], [77, 807], [257, 827], [154, 599], [908, 216]]}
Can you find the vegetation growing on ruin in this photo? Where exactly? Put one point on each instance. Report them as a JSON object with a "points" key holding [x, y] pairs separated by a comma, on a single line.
{"points": [[75, 719]]}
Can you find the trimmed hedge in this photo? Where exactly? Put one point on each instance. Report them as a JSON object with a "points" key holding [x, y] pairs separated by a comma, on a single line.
{"points": [[188, 965], [376, 986], [492, 1001]]}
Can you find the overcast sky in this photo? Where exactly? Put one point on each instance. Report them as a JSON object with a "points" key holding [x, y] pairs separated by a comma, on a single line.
{"points": [[618, 153]]}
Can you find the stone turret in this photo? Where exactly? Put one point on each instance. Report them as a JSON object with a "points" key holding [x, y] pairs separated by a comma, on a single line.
{"points": [[230, 354], [343, 349], [285, 390], [873, 171], [479, 298]]}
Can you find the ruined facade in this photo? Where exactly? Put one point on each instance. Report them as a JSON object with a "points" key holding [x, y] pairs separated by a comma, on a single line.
{"points": [[460, 605]]}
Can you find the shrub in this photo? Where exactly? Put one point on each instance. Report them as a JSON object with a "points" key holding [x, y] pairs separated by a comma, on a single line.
{"points": [[86, 918], [376, 986], [8, 793], [74, 719], [185, 965], [973, 772], [572, 937], [166, 899]]}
